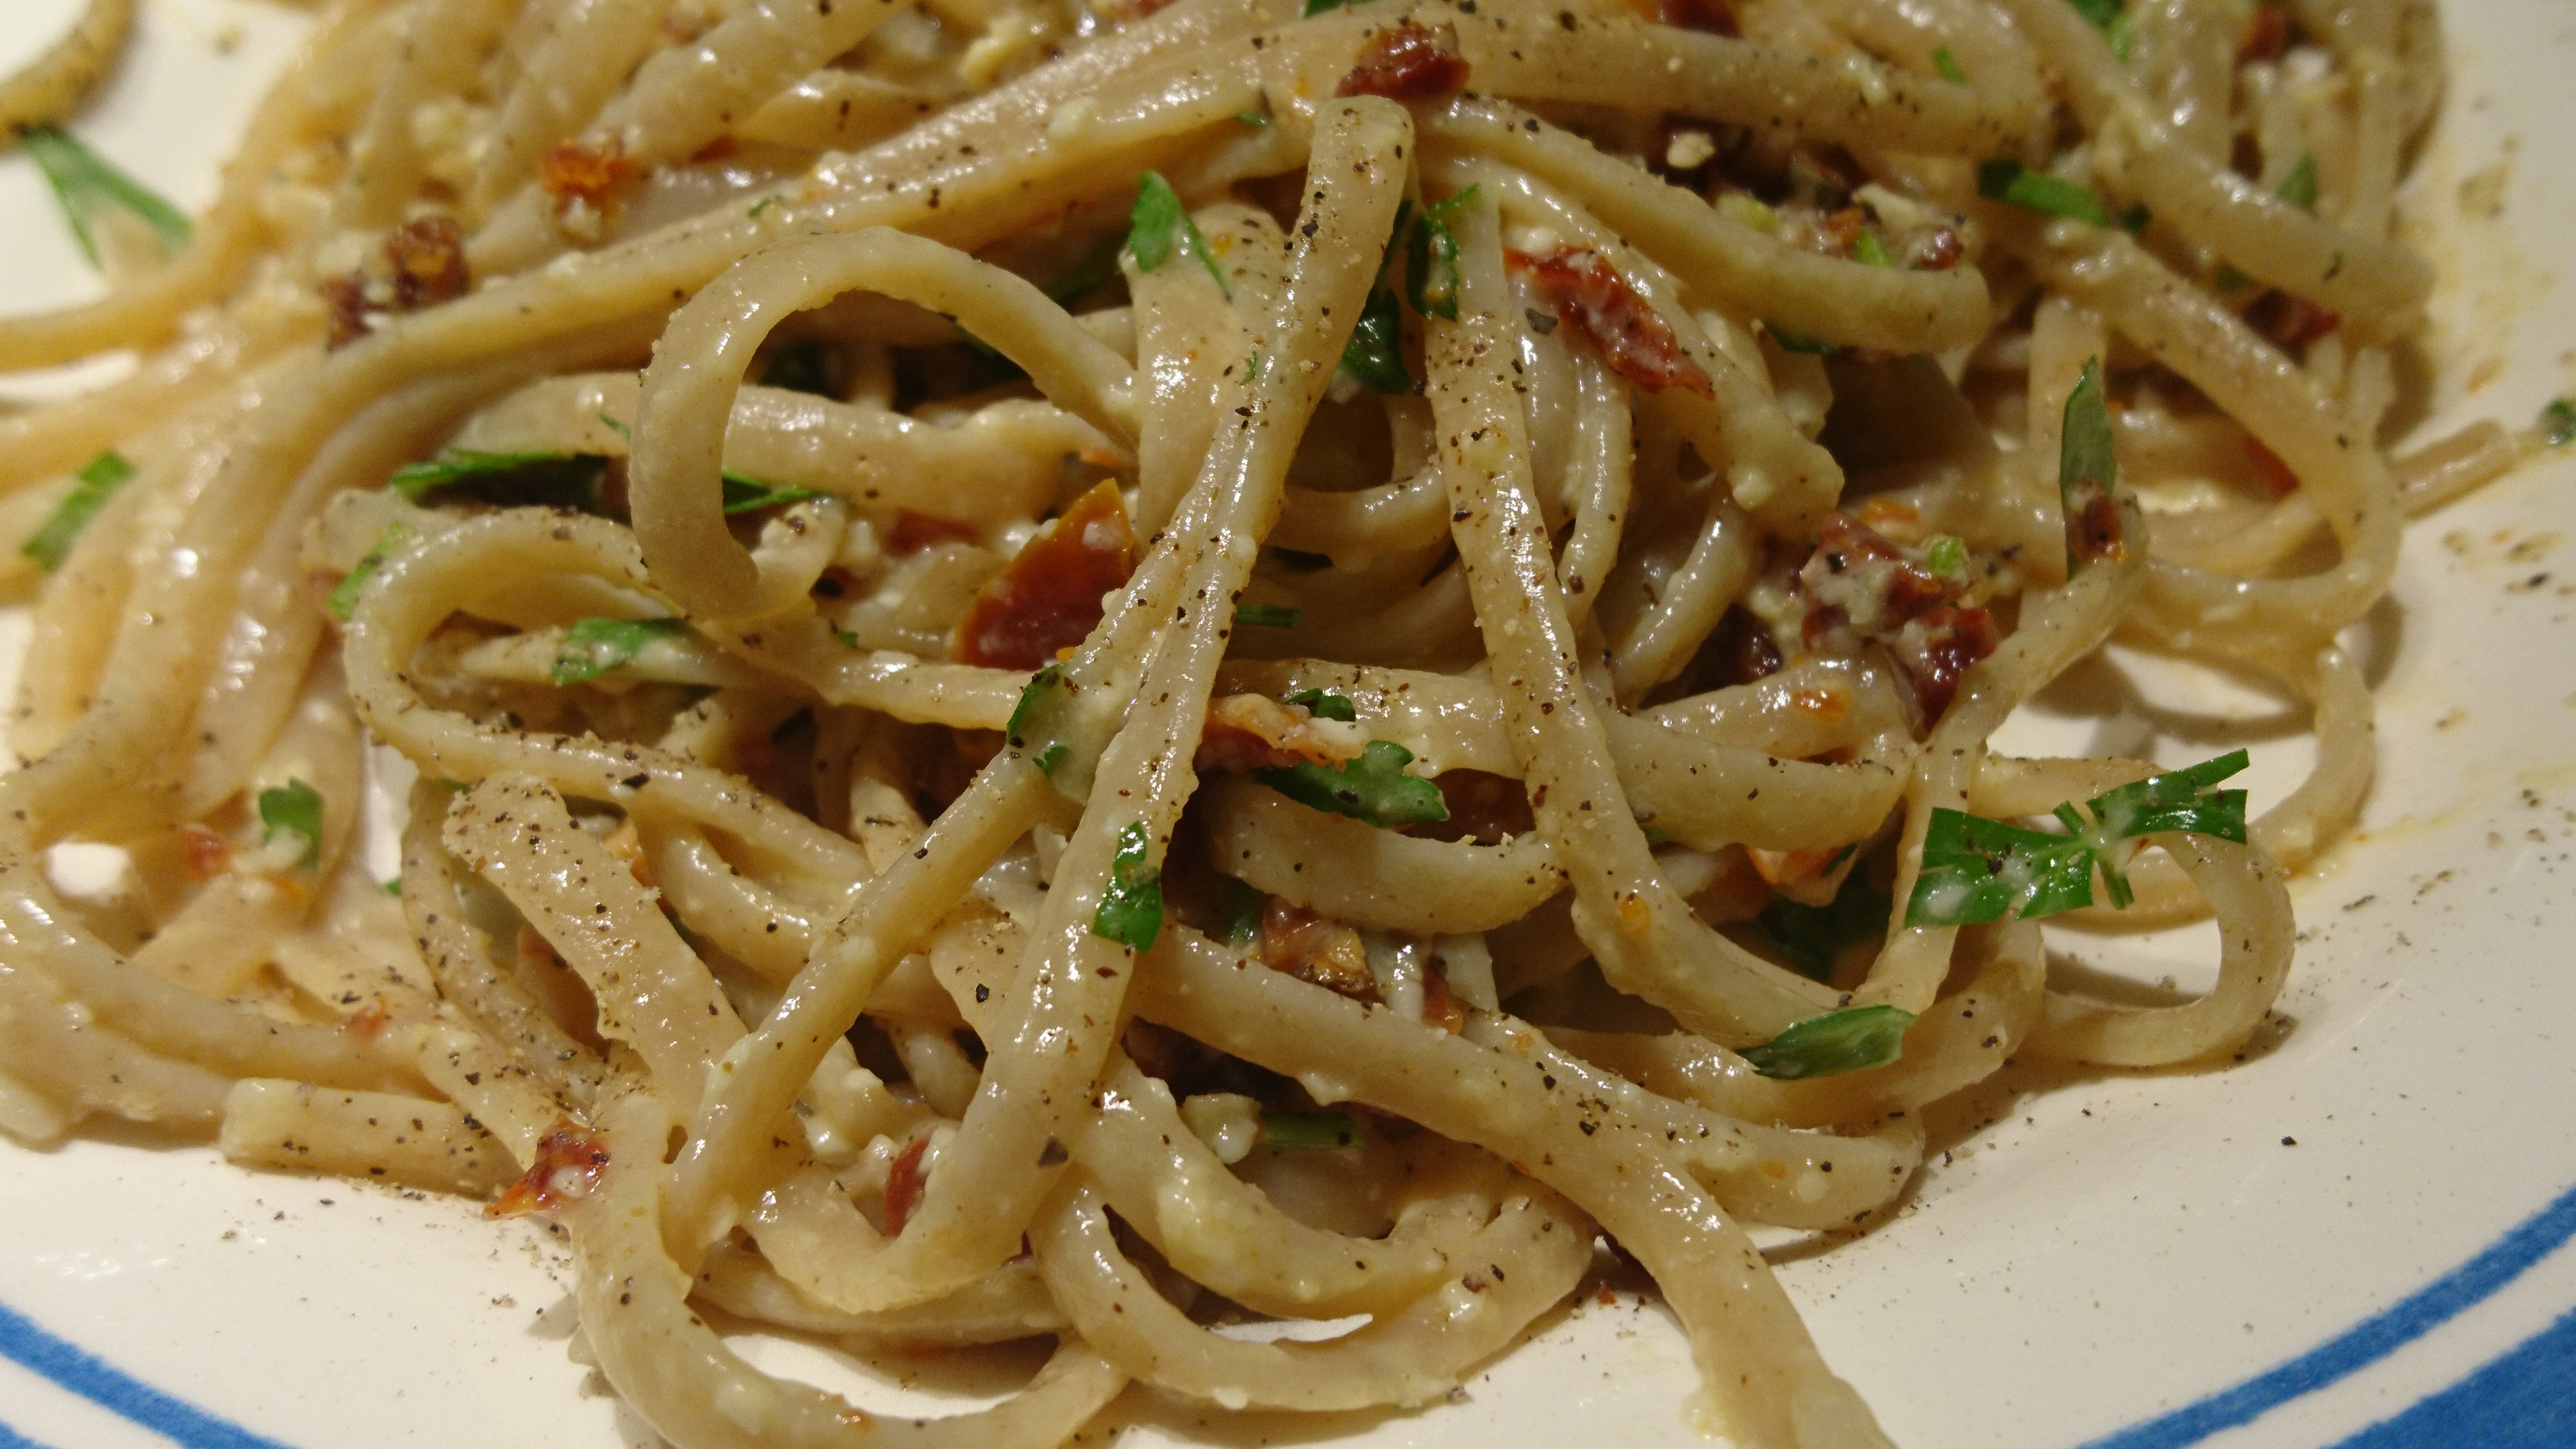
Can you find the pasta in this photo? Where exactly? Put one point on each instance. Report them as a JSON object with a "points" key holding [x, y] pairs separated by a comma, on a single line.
{"points": [[1081, 669]]}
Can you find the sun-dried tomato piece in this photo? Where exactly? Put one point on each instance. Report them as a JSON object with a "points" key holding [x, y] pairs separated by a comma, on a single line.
{"points": [[1741, 650], [573, 172], [1709, 17], [1440, 1006], [209, 854], [570, 1161], [1049, 596], [1937, 649], [421, 264], [1863, 590], [1937, 250], [1408, 61], [2292, 323], [427, 261], [1316, 949], [913, 531], [906, 1181], [1483, 807], [1586, 291], [1256, 732], [2266, 37], [2094, 533], [2278, 479]]}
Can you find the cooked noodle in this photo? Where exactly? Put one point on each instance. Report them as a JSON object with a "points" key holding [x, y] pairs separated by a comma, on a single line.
{"points": [[1466, 757]]}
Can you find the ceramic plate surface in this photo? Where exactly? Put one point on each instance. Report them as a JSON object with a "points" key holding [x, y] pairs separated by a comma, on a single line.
{"points": [[2358, 1237]]}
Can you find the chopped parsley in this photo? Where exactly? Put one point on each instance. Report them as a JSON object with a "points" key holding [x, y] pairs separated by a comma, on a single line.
{"points": [[2011, 181], [1977, 870], [344, 595], [592, 647], [745, 494], [1267, 616], [1945, 554], [1799, 342], [1811, 938], [2088, 474], [89, 188], [1372, 788], [1948, 65], [92, 486], [1323, 704], [292, 813], [1868, 250], [2299, 188], [1326, 1130], [1431, 258], [2558, 422], [1131, 910], [1837, 1042], [552, 480], [1159, 223], [1032, 720], [1238, 920], [2114, 23], [1375, 354]]}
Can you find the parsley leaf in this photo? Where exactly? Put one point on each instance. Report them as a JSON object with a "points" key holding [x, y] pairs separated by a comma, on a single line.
{"points": [[1431, 258], [1837, 1042], [293, 813], [1811, 938], [1159, 222], [2114, 23], [2088, 475], [344, 596], [1948, 65], [1799, 342], [2558, 422], [1238, 914], [1945, 554], [1267, 616], [1869, 251], [88, 188], [553, 480], [94, 484], [1325, 705], [2299, 188], [1131, 910], [1977, 870], [1031, 727], [1373, 788], [592, 647], [744, 494], [2038, 191], [1327, 1130], [1375, 353]]}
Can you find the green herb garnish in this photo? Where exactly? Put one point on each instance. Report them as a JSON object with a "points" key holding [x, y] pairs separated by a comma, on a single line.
{"points": [[2114, 23], [1799, 342], [1294, 1130], [1375, 353], [1031, 727], [1159, 223], [592, 647], [1431, 258], [88, 188], [1945, 554], [1267, 616], [1977, 870], [744, 494], [1868, 250], [92, 486], [1811, 938], [2088, 471], [293, 814], [1131, 910], [1238, 914], [1948, 65], [1373, 788], [553, 480], [1837, 1042], [2558, 422], [2299, 188], [2049, 195], [344, 596], [1323, 704]]}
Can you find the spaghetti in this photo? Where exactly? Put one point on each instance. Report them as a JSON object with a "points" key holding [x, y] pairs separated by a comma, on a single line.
{"points": [[1079, 668]]}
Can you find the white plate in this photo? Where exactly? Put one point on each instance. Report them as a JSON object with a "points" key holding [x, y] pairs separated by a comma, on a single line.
{"points": [[2144, 1262]]}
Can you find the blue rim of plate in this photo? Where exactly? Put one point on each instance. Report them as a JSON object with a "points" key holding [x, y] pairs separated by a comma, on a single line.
{"points": [[2525, 1398]]}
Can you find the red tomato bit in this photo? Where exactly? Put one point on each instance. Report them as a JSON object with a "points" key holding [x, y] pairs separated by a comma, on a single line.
{"points": [[1709, 17], [1049, 597], [570, 1161], [1408, 62], [1316, 950], [573, 172], [913, 531], [2267, 35], [1863, 590], [906, 1181], [1585, 290]]}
